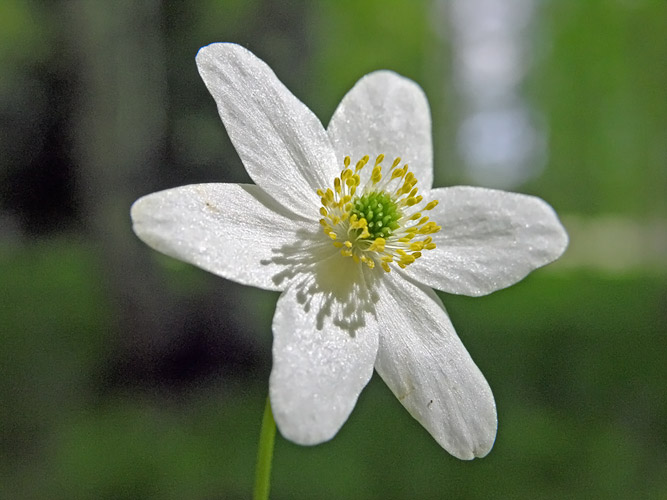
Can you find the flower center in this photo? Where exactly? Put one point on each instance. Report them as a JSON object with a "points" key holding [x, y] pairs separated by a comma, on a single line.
{"points": [[380, 211], [382, 222]]}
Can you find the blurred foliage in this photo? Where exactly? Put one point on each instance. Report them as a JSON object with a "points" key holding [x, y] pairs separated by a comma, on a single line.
{"points": [[129, 375], [576, 369], [603, 87]]}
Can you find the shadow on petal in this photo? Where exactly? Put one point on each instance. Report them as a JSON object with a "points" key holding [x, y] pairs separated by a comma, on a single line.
{"points": [[342, 290]]}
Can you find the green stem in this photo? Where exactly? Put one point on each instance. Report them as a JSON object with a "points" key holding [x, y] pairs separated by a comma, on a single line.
{"points": [[265, 454]]}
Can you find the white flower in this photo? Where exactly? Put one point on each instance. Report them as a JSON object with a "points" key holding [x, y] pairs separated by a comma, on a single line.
{"points": [[354, 247]]}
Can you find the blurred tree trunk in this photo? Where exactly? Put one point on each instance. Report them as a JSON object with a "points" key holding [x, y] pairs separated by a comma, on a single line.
{"points": [[120, 137]]}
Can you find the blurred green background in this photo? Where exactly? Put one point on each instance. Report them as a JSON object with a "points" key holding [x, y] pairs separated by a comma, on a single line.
{"points": [[128, 375]]}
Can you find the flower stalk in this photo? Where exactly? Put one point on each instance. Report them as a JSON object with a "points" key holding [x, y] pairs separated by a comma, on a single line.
{"points": [[267, 437]]}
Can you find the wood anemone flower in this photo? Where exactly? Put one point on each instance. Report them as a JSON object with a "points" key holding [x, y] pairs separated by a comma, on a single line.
{"points": [[344, 221]]}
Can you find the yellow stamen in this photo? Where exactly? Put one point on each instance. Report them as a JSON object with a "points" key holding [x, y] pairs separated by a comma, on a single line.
{"points": [[378, 227]]}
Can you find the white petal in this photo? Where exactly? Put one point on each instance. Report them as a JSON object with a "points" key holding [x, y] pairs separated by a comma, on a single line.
{"points": [[489, 240], [324, 346], [426, 366], [389, 114], [233, 230], [281, 142]]}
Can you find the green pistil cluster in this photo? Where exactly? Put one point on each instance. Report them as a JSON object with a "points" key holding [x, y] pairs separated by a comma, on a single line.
{"points": [[380, 211]]}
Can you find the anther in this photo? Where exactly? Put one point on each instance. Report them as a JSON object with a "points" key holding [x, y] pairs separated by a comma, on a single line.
{"points": [[373, 227]]}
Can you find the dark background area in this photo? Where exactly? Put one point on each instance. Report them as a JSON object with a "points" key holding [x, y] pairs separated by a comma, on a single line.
{"points": [[126, 374]]}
